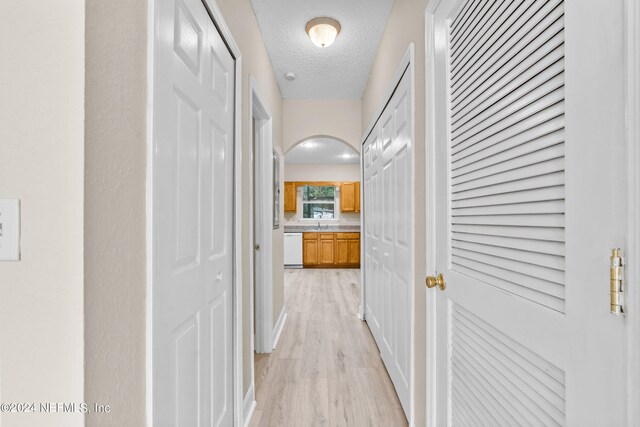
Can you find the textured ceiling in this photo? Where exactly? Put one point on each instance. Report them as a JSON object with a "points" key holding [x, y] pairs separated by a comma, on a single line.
{"points": [[322, 151], [338, 71]]}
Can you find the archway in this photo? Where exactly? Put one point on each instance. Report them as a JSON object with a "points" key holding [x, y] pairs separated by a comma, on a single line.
{"points": [[322, 149]]}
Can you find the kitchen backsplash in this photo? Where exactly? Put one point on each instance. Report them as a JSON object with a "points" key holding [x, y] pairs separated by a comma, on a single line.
{"points": [[344, 219]]}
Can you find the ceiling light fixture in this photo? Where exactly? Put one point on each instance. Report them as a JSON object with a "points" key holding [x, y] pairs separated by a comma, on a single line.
{"points": [[323, 31]]}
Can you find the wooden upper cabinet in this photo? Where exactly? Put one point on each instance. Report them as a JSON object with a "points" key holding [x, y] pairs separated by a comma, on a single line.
{"points": [[290, 199], [348, 197]]}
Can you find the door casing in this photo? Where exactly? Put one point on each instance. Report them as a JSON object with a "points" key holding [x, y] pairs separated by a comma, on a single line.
{"points": [[632, 35], [224, 30], [261, 201], [632, 250], [430, 218]]}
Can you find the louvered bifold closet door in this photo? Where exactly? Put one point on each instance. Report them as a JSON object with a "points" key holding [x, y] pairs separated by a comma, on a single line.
{"points": [[506, 77]]}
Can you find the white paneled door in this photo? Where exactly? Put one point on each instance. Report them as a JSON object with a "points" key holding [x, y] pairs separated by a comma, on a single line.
{"points": [[193, 219], [388, 236], [528, 133]]}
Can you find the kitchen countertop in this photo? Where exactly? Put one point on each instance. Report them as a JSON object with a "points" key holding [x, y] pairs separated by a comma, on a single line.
{"points": [[325, 229]]}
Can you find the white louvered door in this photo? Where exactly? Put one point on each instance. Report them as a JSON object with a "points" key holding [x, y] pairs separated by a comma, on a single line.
{"points": [[529, 143]]}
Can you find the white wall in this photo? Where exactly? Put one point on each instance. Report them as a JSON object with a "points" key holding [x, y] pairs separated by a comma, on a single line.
{"points": [[305, 118], [43, 305], [115, 210], [41, 162], [312, 172]]}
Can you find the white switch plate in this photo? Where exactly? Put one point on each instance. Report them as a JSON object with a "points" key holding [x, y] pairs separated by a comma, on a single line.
{"points": [[9, 229]]}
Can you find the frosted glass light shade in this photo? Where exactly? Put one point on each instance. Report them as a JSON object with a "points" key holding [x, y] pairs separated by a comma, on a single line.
{"points": [[323, 31]]}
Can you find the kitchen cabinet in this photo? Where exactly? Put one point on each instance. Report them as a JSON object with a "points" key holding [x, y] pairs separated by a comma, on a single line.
{"points": [[309, 249], [350, 197], [331, 250], [290, 197], [354, 252], [348, 249], [327, 249], [342, 251]]}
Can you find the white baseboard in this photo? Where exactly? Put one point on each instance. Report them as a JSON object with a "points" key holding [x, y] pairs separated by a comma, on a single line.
{"points": [[248, 406], [277, 329]]}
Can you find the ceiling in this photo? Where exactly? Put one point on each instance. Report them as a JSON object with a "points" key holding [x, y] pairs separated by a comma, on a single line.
{"points": [[322, 151], [338, 71]]}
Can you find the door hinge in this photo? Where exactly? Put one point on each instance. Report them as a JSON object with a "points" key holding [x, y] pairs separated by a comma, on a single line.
{"points": [[617, 282]]}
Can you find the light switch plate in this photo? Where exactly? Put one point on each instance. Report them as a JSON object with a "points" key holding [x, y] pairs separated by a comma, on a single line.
{"points": [[9, 229]]}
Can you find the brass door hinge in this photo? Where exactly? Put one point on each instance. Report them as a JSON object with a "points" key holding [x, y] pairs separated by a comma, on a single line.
{"points": [[617, 282]]}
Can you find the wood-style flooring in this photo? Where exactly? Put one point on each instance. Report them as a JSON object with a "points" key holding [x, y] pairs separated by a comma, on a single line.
{"points": [[326, 369]]}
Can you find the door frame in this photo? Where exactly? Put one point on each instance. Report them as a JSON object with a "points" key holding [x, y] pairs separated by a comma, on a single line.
{"points": [[262, 149], [430, 212], [218, 20], [632, 35]]}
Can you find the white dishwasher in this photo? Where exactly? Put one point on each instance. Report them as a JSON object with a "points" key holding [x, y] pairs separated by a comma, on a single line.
{"points": [[293, 250]]}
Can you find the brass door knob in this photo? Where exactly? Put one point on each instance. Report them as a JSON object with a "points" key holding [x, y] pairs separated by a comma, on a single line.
{"points": [[432, 282]]}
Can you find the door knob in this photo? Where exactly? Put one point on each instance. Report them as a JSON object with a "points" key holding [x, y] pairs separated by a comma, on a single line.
{"points": [[433, 281]]}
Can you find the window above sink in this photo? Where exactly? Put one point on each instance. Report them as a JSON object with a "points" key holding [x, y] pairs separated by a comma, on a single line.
{"points": [[319, 202]]}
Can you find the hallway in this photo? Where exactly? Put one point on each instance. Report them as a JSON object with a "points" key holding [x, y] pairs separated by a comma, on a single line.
{"points": [[326, 369], [198, 196]]}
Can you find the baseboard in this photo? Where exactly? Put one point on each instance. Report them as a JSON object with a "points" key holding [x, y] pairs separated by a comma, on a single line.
{"points": [[248, 406], [277, 329]]}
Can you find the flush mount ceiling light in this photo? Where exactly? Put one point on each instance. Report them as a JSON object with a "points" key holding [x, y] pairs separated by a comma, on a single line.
{"points": [[323, 31]]}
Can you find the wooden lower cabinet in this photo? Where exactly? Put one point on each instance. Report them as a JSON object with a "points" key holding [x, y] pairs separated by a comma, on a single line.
{"points": [[342, 251], [354, 252], [309, 249], [331, 250], [327, 249]]}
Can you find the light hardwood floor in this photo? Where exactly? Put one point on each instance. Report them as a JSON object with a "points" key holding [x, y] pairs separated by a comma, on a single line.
{"points": [[326, 369]]}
